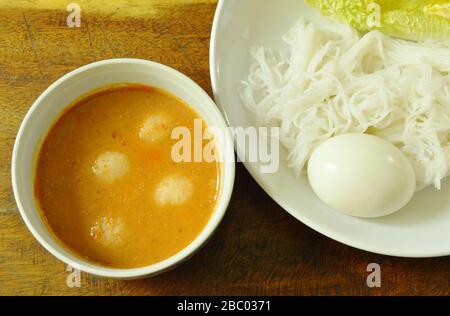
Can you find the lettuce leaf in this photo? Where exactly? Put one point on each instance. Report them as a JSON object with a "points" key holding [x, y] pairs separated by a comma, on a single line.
{"points": [[407, 19]]}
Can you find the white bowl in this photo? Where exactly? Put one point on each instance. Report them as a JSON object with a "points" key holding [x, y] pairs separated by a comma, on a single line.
{"points": [[56, 99], [421, 229]]}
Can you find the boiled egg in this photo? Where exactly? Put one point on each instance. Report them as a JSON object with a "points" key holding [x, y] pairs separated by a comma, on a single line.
{"points": [[361, 175]]}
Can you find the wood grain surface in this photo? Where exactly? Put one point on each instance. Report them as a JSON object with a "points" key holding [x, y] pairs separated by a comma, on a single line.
{"points": [[258, 250]]}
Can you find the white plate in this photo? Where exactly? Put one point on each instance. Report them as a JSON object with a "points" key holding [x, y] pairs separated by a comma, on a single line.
{"points": [[421, 229]]}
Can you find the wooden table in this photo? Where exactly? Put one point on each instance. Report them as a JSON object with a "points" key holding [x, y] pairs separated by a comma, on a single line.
{"points": [[259, 249]]}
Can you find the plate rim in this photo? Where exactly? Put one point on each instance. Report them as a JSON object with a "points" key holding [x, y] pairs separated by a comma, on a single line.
{"points": [[274, 195]]}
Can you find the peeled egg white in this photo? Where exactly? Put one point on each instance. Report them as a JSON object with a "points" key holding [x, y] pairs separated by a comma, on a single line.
{"points": [[361, 175]]}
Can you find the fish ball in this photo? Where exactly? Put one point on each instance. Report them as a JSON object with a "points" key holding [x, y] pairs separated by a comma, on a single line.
{"points": [[110, 166], [155, 128], [109, 231], [174, 190]]}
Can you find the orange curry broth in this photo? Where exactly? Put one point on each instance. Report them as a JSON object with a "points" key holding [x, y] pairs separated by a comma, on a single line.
{"points": [[120, 223]]}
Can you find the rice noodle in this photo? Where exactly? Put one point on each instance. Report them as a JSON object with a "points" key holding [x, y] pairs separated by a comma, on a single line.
{"points": [[332, 81]]}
